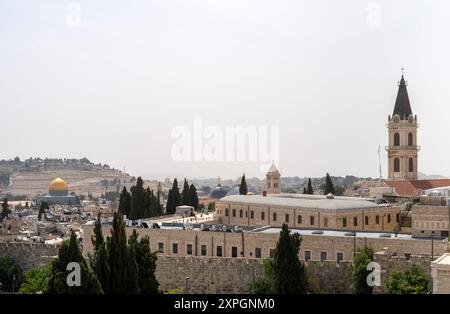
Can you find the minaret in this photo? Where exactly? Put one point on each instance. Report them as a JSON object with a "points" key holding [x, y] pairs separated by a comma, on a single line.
{"points": [[402, 127], [273, 180]]}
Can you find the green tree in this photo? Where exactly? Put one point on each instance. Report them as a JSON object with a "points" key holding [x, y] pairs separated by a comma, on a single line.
{"points": [[243, 190], [36, 280], [5, 210], [411, 281], [309, 189], [70, 252], [329, 187], [137, 210], [266, 283], [99, 262], [194, 196], [117, 256], [304, 190], [186, 195], [125, 202], [11, 275], [170, 205], [289, 272], [42, 208], [173, 199], [359, 271]]}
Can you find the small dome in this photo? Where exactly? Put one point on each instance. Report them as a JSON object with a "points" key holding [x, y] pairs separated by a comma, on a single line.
{"points": [[58, 185], [330, 196], [218, 192]]}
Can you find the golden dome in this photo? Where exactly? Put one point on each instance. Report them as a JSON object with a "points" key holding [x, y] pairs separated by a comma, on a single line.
{"points": [[58, 185]]}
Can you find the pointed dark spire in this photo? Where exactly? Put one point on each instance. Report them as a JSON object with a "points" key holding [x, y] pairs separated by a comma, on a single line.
{"points": [[402, 105]]}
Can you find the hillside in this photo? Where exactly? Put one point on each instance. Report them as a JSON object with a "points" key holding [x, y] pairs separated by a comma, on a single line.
{"points": [[33, 176]]}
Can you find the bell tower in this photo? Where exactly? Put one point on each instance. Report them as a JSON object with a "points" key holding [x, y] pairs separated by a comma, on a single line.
{"points": [[402, 128], [273, 180]]}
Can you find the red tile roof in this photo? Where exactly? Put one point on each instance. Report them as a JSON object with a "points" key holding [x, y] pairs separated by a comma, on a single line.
{"points": [[414, 187]]}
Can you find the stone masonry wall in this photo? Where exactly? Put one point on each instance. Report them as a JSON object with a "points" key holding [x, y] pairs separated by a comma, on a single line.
{"points": [[28, 255], [233, 275]]}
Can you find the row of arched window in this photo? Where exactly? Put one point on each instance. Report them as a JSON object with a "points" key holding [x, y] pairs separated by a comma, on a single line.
{"points": [[397, 139], [397, 165]]}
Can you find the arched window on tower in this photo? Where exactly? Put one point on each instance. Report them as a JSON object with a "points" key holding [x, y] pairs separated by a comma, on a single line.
{"points": [[410, 165], [396, 165], [410, 139], [396, 139]]}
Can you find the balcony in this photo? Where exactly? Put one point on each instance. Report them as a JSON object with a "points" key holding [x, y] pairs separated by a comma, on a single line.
{"points": [[404, 147]]}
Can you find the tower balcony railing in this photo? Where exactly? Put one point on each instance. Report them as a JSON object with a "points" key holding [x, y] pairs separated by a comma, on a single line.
{"points": [[403, 147]]}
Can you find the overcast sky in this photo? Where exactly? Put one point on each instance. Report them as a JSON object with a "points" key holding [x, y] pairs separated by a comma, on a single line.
{"points": [[114, 86]]}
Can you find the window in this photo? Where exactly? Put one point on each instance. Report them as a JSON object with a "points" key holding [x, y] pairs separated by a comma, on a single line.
{"points": [[203, 249], [252, 214], [388, 218], [258, 252], [355, 221], [339, 257], [219, 251], [226, 212], [344, 222], [396, 139], [263, 216], [410, 139], [234, 251], [268, 185], [246, 214], [274, 217], [234, 212], [397, 218], [299, 219], [410, 165], [311, 220], [189, 249], [377, 219], [272, 253], [396, 165], [325, 221], [307, 256], [241, 213], [175, 248], [287, 218], [323, 256], [160, 247], [366, 220]]}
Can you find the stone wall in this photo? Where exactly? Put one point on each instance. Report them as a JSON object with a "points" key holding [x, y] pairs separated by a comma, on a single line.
{"points": [[28, 255], [234, 275], [389, 263]]}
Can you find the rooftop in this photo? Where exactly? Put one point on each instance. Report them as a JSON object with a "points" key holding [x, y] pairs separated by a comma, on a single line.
{"points": [[301, 201]]}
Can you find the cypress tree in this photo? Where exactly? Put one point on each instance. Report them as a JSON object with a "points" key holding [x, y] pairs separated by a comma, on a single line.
{"points": [[329, 187], [304, 190], [118, 257], [170, 206], [186, 196], [158, 204], [137, 200], [99, 262], [176, 194], [289, 272], [243, 186], [5, 210], [44, 206], [309, 190], [125, 202], [194, 196], [68, 253]]}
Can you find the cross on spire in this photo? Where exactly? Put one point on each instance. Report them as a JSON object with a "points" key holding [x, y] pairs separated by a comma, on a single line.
{"points": [[403, 70]]}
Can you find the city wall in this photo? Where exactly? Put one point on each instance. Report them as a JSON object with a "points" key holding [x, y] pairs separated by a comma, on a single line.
{"points": [[29, 255]]}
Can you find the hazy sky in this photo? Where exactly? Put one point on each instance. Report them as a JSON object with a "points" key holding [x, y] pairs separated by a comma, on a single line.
{"points": [[113, 88]]}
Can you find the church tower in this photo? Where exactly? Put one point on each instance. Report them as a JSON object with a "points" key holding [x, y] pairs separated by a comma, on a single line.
{"points": [[273, 180], [402, 149]]}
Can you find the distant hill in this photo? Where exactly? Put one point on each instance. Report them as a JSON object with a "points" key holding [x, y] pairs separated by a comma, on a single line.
{"points": [[33, 176], [423, 176]]}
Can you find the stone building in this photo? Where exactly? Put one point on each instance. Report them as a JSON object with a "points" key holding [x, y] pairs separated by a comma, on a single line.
{"points": [[273, 180], [307, 211]]}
